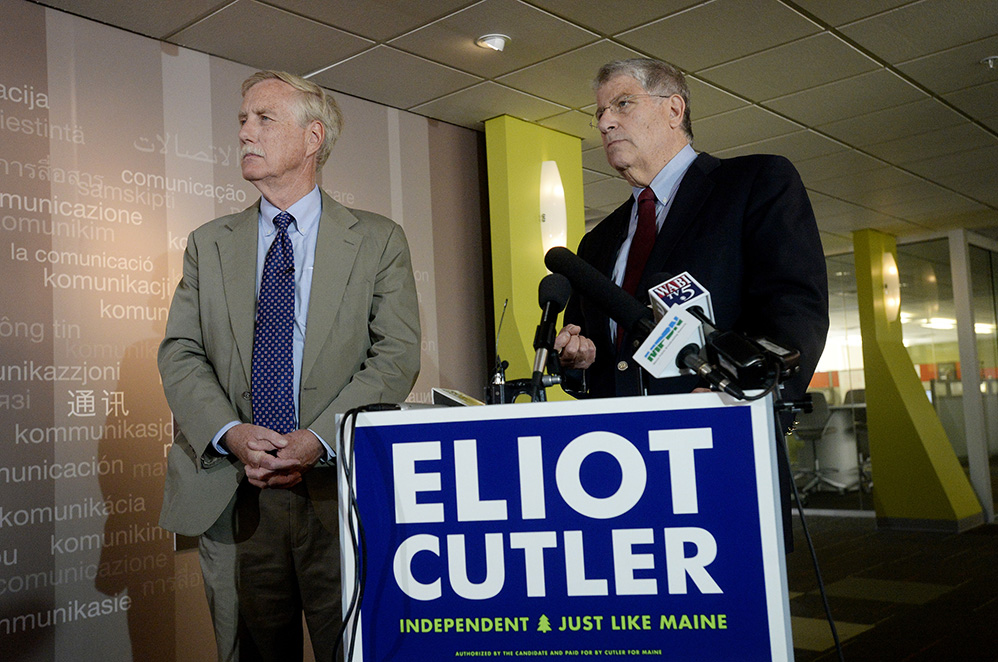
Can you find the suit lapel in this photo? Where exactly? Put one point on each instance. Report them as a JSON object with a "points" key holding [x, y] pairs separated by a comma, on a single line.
{"points": [[336, 250], [692, 192], [237, 256]]}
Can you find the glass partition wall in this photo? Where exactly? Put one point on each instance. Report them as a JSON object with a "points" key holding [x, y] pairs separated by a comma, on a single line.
{"points": [[830, 448]]}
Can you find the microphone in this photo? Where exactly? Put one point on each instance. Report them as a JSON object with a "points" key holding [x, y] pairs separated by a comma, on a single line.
{"points": [[672, 300], [552, 295], [587, 281], [682, 290], [689, 357]]}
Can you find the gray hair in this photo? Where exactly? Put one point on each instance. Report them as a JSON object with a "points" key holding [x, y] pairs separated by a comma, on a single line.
{"points": [[315, 105], [655, 76]]}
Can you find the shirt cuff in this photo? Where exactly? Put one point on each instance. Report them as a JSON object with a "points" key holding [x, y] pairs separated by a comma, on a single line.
{"points": [[216, 441], [330, 454]]}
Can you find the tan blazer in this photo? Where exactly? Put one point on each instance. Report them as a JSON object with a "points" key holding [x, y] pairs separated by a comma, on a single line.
{"points": [[362, 346]]}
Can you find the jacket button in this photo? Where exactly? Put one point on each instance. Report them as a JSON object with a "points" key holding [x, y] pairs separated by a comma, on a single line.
{"points": [[247, 395], [622, 366]]}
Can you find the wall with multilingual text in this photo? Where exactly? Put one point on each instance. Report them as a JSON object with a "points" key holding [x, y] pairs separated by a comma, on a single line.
{"points": [[113, 147]]}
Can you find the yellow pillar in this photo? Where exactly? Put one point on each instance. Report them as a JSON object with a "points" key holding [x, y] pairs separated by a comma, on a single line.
{"points": [[918, 481], [515, 150]]}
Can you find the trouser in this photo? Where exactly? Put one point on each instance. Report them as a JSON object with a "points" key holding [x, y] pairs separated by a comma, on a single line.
{"points": [[267, 559]]}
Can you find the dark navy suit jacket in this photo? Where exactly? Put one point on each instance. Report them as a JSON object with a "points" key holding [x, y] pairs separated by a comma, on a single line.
{"points": [[744, 228]]}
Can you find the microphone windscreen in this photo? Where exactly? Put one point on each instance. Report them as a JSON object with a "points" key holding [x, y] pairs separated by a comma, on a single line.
{"points": [[604, 293], [556, 290]]}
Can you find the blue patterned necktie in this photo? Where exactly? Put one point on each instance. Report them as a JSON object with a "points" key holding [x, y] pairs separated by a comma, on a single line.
{"points": [[273, 363]]}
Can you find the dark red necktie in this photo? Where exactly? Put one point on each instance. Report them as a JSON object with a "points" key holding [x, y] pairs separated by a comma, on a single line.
{"points": [[644, 239]]}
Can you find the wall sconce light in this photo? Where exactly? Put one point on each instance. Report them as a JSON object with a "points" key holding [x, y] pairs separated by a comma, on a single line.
{"points": [[554, 217], [892, 287]]}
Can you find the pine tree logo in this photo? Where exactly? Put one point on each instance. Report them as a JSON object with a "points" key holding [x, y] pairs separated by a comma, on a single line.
{"points": [[543, 624]]}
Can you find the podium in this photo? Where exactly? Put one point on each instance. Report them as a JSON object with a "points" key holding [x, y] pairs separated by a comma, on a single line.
{"points": [[629, 528]]}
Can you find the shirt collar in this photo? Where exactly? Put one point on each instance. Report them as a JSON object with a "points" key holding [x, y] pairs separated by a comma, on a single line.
{"points": [[667, 180], [306, 212]]}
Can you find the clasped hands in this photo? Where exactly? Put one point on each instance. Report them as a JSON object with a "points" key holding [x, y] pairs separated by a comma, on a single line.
{"points": [[273, 460]]}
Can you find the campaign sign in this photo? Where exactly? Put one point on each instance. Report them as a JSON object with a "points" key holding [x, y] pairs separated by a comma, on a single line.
{"points": [[619, 529]]}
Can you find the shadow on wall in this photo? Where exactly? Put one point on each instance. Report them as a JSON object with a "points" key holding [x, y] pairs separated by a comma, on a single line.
{"points": [[137, 554]]}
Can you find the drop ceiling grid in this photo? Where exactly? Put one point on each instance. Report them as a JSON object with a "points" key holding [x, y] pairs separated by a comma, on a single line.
{"points": [[843, 89]]}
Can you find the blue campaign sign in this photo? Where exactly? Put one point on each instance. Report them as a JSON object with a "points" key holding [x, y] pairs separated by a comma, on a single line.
{"points": [[619, 529]]}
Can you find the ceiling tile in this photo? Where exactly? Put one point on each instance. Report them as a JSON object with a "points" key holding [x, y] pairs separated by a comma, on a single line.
{"points": [[862, 219], [792, 67], [609, 17], [472, 106], [707, 100], [575, 123], [402, 80], [839, 13], [887, 199], [825, 206], [567, 79], [971, 173], [858, 186], [936, 210], [607, 193], [797, 146], [739, 127], [590, 176], [980, 102], [939, 142], [269, 38], [595, 159], [736, 28], [534, 35], [955, 68], [374, 19], [923, 27], [841, 216], [846, 98], [976, 186], [897, 122], [984, 222], [960, 164], [153, 18]]}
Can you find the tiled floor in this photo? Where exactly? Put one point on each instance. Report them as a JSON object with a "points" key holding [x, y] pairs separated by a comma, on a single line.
{"points": [[895, 595]]}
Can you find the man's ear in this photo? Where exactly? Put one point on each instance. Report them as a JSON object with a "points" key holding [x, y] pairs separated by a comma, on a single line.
{"points": [[677, 109], [315, 137]]}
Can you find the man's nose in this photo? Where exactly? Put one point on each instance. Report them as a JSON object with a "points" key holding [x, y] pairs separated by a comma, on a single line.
{"points": [[245, 133], [607, 121]]}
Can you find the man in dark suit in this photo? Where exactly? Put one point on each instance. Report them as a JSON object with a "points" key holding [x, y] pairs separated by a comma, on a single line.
{"points": [[743, 227], [261, 495]]}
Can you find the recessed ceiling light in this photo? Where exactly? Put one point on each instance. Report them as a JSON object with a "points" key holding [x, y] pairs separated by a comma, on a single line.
{"points": [[990, 61], [496, 42]]}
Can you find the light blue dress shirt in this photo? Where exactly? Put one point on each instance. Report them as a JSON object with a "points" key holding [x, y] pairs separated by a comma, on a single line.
{"points": [[303, 233], [665, 184]]}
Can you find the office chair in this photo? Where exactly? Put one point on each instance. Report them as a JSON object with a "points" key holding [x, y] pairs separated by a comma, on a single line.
{"points": [[810, 429]]}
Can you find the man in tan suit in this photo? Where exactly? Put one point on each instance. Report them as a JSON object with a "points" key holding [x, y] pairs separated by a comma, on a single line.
{"points": [[264, 502]]}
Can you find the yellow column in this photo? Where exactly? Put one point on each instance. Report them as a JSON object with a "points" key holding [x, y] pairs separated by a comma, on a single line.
{"points": [[918, 481], [515, 150]]}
